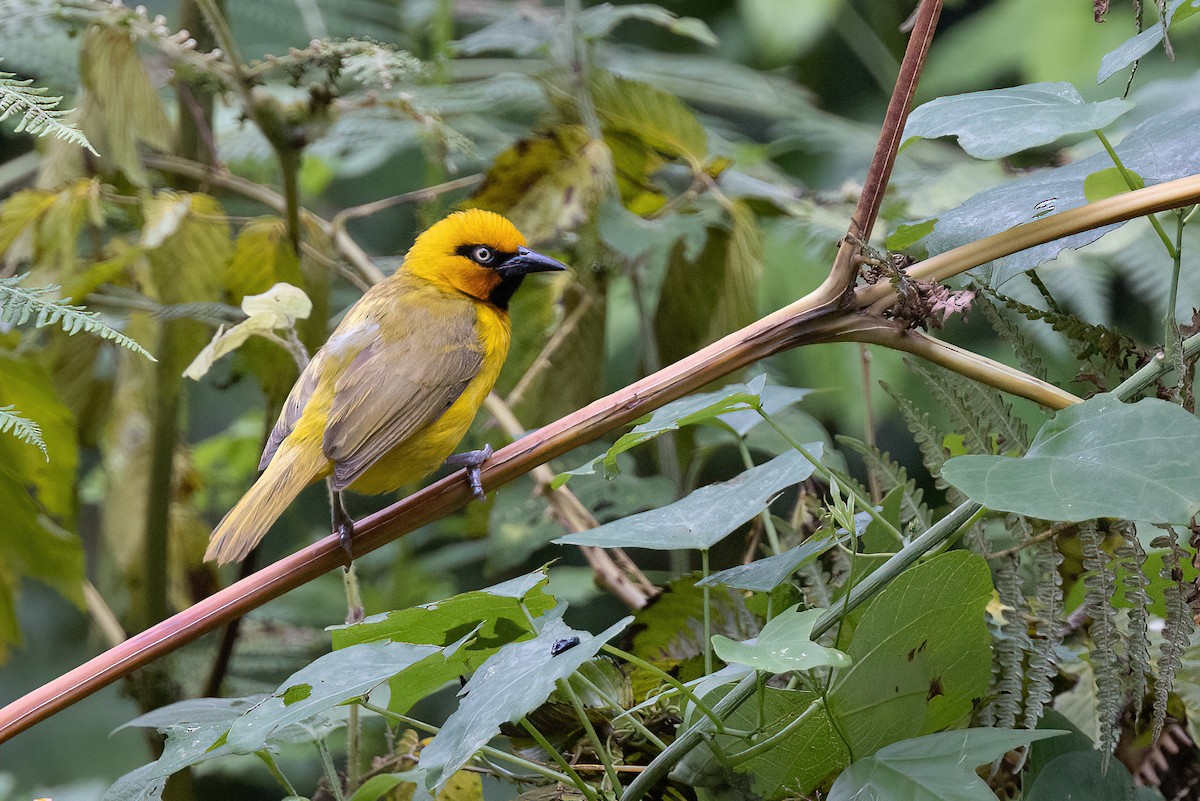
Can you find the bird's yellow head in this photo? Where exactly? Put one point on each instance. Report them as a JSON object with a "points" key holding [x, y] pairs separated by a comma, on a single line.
{"points": [[476, 252]]}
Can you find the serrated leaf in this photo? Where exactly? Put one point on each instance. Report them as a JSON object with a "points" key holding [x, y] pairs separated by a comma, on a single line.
{"points": [[121, 109], [1099, 458], [936, 767], [513, 682], [706, 516], [659, 120], [323, 684], [262, 258], [996, 123], [764, 575], [548, 182], [783, 645]]}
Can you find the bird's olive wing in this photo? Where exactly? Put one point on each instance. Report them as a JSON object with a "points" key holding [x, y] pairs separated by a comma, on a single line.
{"points": [[292, 408], [395, 388]]}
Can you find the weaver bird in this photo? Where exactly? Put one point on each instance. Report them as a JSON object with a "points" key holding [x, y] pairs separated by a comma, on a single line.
{"points": [[393, 391]]}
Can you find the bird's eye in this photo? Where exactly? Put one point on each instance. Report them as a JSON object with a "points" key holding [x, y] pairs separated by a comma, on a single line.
{"points": [[482, 254]]}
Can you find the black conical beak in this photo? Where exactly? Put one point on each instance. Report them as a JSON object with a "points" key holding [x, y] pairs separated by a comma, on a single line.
{"points": [[526, 261]]}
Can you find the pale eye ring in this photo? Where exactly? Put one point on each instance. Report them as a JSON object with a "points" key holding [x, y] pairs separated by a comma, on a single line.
{"points": [[482, 254]]}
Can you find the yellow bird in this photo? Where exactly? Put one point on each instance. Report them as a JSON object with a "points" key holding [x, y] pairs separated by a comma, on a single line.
{"points": [[393, 391]]}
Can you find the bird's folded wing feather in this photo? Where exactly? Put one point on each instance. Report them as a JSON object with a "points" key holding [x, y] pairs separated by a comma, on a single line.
{"points": [[397, 386], [292, 408]]}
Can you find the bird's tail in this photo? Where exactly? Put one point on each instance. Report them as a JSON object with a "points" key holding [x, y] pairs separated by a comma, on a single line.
{"points": [[289, 471]]}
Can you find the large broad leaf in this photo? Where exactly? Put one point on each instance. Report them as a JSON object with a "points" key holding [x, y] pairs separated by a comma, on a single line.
{"points": [[708, 515], [1100, 458], [764, 575], [1086, 775], [323, 684], [517, 680], [1142, 43], [494, 617], [37, 494], [783, 645], [936, 767], [999, 122], [1159, 149], [732, 407], [920, 657], [659, 120], [194, 732], [262, 257]]}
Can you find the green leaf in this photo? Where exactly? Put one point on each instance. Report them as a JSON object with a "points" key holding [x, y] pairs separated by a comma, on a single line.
{"points": [[659, 120], [328, 681], [920, 658], [262, 257], [1142, 43], [764, 575], [1159, 149], [905, 236], [1109, 182], [600, 20], [783, 645], [497, 616], [516, 680], [1099, 458], [1000, 122], [936, 767], [1082, 774], [195, 732], [733, 407], [706, 516]]}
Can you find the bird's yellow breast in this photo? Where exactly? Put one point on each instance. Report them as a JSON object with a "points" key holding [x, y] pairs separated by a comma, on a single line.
{"points": [[424, 452]]}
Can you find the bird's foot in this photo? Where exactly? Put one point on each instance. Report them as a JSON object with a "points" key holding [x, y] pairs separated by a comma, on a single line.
{"points": [[343, 524], [472, 461]]}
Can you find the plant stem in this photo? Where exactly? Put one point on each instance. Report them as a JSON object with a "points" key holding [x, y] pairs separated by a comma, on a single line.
{"points": [[1170, 325], [768, 522], [273, 767], [565, 689], [633, 721], [1128, 177], [679, 686], [1150, 372], [844, 481], [770, 742], [944, 529], [335, 782], [706, 592], [490, 752], [552, 752]]}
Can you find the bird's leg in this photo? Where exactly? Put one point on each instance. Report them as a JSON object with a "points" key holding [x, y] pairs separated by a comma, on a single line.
{"points": [[473, 460], [343, 523]]}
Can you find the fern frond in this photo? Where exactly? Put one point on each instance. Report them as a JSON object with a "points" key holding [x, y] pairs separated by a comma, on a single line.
{"points": [[929, 439], [24, 429], [1100, 583], [1178, 629], [1103, 348], [1043, 656], [1011, 646], [1131, 561], [891, 475], [40, 114], [18, 304], [1025, 351], [980, 413]]}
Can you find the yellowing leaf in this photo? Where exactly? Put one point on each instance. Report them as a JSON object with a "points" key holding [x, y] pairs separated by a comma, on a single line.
{"points": [[548, 183], [658, 119], [121, 108], [262, 257], [22, 210], [278, 307]]}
